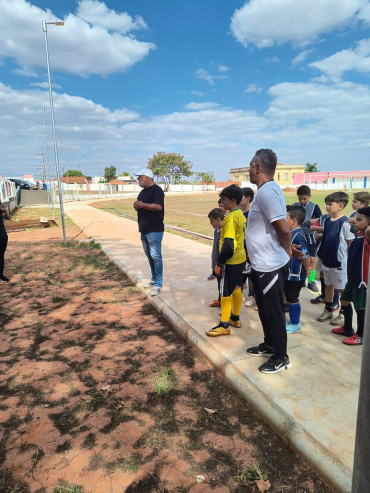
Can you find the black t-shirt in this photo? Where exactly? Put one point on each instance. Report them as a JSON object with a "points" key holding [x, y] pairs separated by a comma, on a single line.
{"points": [[151, 221]]}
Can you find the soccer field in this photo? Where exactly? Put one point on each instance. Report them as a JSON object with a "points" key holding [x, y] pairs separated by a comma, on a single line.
{"points": [[190, 211]]}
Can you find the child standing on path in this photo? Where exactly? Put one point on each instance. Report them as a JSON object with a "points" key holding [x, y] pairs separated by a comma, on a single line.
{"points": [[230, 262], [298, 269], [216, 217], [333, 252], [355, 290], [312, 211], [245, 205]]}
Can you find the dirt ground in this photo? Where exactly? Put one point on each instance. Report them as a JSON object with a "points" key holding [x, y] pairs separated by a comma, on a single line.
{"points": [[99, 394]]}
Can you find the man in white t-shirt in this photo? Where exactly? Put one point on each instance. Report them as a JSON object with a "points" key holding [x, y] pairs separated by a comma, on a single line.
{"points": [[268, 241]]}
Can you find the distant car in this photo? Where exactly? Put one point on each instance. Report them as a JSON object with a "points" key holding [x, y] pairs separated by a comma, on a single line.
{"points": [[20, 183]]}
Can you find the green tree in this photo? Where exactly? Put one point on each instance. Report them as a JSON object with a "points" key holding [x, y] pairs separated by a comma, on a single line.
{"points": [[110, 173], [206, 178], [88, 178], [311, 168], [73, 172], [126, 173], [169, 167]]}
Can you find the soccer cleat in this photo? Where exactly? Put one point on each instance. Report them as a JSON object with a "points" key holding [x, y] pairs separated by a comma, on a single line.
{"points": [[219, 330], [353, 340], [149, 284], [336, 306], [4, 279], [261, 350], [275, 364], [251, 301], [293, 329], [312, 287], [338, 320], [155, 291], [235, 323], [341, 332], [317, 300], [211, 277], [326, 315], [215, 304]]}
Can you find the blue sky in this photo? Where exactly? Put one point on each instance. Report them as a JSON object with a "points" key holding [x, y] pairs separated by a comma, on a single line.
{"points": [[209, 79]]}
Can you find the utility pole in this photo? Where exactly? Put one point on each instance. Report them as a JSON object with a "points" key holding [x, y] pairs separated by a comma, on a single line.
{"points": [[44, 175]]}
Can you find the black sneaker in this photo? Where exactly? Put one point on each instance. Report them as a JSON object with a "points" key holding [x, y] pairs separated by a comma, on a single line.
{"points": [[286, 307], [4, 279], [275, 364], [318, 299], [312, 287], [335, 306], [261, 350]]}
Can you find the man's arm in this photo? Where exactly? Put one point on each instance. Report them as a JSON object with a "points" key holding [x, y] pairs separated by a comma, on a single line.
{"points": [[284, 235], [4, 212], [148, 207]]}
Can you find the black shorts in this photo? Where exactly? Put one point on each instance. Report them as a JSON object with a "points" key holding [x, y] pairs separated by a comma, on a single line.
{"points": [[231, 276], [292, 290], [312, 249]]}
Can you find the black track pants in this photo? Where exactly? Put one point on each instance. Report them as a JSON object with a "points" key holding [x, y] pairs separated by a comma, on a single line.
{"points": [[3, 245], [269, 288]]}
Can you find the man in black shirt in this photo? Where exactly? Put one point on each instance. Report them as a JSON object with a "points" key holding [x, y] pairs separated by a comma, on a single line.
{"points": [[4, 214], [150, 213]]}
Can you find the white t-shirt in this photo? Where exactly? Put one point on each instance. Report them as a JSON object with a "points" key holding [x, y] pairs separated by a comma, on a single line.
{"points": [[345, 235], [264, 249]]}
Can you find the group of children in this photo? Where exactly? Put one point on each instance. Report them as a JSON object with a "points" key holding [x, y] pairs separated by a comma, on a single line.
{"points": [[335, 246]]}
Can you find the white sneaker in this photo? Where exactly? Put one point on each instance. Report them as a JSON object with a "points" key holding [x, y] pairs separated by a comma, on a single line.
{"points": [[155, 291], [250, 301], [149, 284]]}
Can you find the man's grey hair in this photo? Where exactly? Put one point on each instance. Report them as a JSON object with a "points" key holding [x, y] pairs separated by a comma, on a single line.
{"points": [[267, 159]]}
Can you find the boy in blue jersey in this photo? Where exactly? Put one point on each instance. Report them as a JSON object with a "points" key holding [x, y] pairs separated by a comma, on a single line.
{"points": [[333, 252], [356, 287], [312, 211], [298, 269]]}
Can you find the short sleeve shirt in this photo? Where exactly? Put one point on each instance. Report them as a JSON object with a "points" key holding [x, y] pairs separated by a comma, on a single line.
{"points": [[151, 221], [265, 252], [233, 226], [342, 254]]}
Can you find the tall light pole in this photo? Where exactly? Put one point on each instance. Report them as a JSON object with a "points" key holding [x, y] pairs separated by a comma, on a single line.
{"points": [[48, 162], [44, 28]]}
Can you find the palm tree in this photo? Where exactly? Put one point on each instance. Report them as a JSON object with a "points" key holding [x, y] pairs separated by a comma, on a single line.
{"points": [[311, 168]]}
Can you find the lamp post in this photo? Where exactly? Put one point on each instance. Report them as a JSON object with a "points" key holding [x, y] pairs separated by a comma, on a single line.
{"points": [[44, 28], [48, 162]]}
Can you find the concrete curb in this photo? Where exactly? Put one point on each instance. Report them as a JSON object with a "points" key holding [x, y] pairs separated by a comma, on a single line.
{"points": [[292, 433]]}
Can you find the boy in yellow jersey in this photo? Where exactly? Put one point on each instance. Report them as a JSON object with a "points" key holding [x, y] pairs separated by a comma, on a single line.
{"points": [[231, 261]]}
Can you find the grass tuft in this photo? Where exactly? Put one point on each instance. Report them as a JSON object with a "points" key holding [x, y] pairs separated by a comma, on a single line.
{"points": [[164, 381], [252, 474]]}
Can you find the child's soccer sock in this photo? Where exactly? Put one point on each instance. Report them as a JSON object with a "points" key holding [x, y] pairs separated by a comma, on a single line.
{"points": [[237, 298], [295, 313], [329, 306], [360, 322], [312, 276], [348, 316], [322, 287], [336, 296], [225, 309]]}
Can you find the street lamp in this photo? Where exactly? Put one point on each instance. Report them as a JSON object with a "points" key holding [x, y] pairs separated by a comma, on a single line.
{"points": [[44, 28], [48, 162]]}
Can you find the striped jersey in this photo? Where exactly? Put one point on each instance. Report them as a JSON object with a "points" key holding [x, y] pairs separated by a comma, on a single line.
{"points": [[296, 269]]}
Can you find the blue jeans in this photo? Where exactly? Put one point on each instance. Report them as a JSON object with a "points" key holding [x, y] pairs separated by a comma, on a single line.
{"points": [[152, 245]]}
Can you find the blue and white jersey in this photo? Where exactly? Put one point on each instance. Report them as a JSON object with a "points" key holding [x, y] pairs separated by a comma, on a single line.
{"points": [[296, 269]]}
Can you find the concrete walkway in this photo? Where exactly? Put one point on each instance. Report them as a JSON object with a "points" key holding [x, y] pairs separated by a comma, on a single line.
{"points": [[313, 406]]}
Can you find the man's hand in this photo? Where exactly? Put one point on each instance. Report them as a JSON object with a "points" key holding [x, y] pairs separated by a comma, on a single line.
{"points": [[308, 272], [138, 204], [352, 221], [218, 270], [296, 253]]}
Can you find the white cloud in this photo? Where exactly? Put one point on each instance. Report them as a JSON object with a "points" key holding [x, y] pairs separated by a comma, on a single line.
{"points": [[45, 85], [301, 57], [264, 23], [253, 88], [223, 68], [198, 93], [203, 74], [25, 72], [357, 59], [274, 59], [80, 47], [201, 106], [98, 14]]}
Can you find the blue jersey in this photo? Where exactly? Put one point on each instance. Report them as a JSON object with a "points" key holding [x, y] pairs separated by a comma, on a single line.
{"points": [[296, 269]]}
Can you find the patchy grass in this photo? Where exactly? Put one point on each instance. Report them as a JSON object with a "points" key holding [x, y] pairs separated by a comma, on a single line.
{"points": [[164, 382]]}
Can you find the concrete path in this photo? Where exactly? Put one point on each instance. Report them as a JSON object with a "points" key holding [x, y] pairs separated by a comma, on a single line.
{"points": [[313, 406]]}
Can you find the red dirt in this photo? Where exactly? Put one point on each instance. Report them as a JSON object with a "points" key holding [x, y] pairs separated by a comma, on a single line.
{"points": [[79, 360]]}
